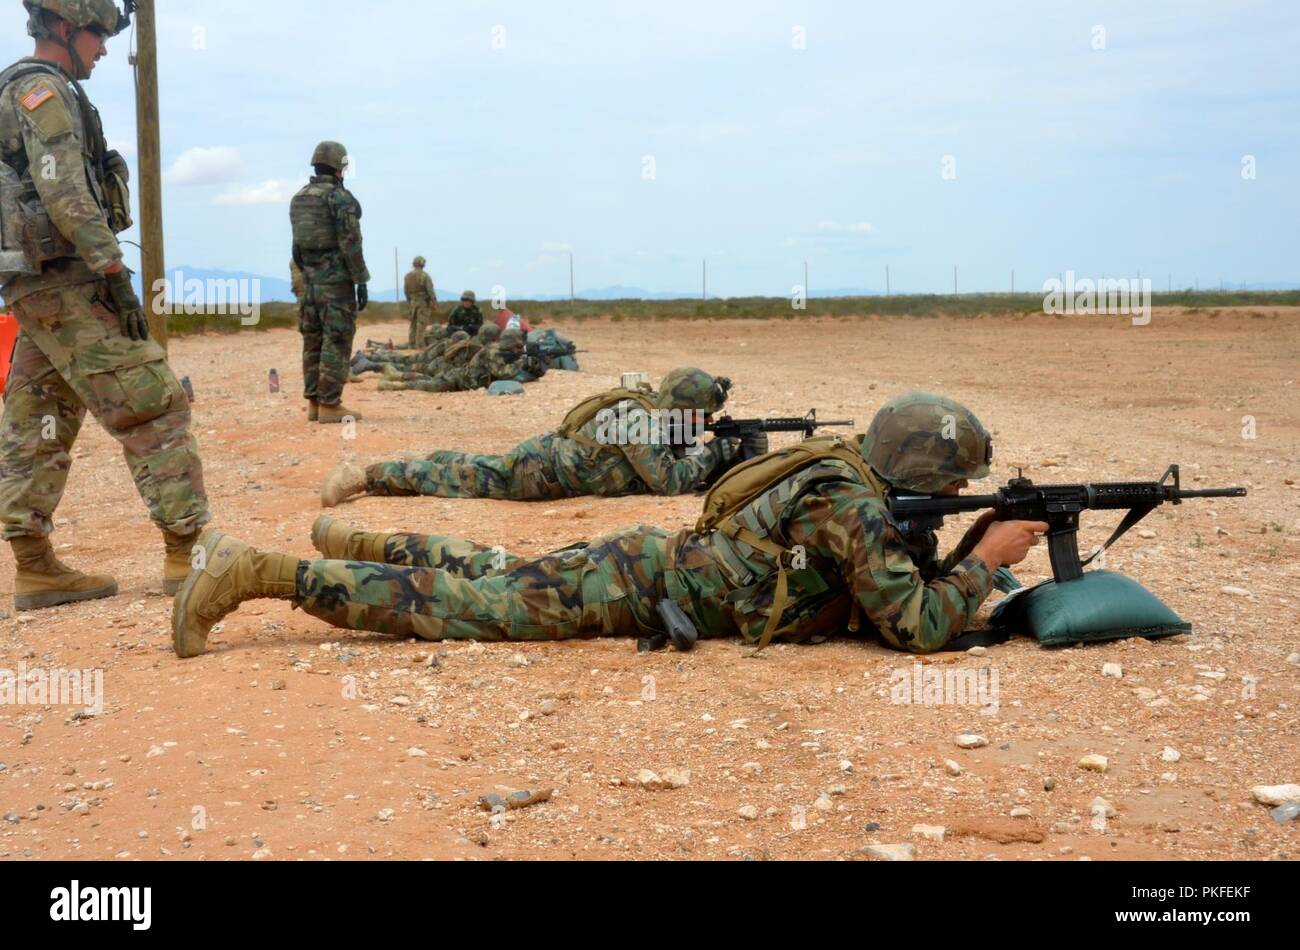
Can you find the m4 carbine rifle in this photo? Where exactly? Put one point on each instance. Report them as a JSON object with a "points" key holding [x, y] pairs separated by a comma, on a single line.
{"points": [[729, 428], [1059, 506]]}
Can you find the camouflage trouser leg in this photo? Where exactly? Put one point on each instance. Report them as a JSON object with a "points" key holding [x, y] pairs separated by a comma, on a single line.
{"points": [[522, 474], [460, 596], [71, 356], [328, 322], [421, 320]]}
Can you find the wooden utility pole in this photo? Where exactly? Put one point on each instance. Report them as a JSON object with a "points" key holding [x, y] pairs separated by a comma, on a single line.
{"points": [[153, 266]]}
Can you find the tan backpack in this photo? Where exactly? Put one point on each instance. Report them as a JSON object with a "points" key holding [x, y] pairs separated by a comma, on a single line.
{"points": [[593, 406], [745, 483]]}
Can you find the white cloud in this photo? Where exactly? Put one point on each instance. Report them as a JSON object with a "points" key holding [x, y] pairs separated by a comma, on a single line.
{"points": [[273, 192], [205, 166], [836, 227]]}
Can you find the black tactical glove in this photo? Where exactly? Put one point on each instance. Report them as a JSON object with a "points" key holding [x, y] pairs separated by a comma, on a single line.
{"points": [[115, 164], [130, 315], [753, 445], [363, 297]]}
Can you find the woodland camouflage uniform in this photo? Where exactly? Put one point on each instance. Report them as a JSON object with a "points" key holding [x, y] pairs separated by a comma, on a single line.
{"points": [[850, 566]]}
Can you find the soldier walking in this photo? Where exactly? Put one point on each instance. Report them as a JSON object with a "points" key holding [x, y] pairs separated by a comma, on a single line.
{"points": [[84, 341]]}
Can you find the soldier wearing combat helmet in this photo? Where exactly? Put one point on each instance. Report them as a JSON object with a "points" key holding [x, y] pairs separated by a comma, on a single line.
{"points": [[592, 453], [420, 301], [84, 341], [326, 221], [855, 570], [467, 316]]}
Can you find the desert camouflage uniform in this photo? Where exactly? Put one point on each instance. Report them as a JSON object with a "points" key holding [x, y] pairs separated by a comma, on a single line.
{"points": [[861, 573], [71, 354], [420, 300], [333, 265]]}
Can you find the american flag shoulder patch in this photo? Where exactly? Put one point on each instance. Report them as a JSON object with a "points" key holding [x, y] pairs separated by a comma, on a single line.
{"points": [[34, 99]]}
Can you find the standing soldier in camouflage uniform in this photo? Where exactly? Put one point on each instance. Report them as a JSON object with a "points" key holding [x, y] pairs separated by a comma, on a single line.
{"points": [[467, 316], [85, 339], [421, 298], [606, 446], [811, 555], [326, 221]]}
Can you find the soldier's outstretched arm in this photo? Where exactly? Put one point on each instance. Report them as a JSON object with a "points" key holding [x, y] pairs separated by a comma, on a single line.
{"points": [[846, 526], [58, 171]]}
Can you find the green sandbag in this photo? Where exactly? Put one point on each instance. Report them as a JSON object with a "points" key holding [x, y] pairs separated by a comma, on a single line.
{"points": [[1101, 605]]}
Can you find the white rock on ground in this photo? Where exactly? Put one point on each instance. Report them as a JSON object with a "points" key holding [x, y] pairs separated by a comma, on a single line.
{"points": [[1094, 763], [890, 852], [969, 741], [1276, 794], [933, 833]]}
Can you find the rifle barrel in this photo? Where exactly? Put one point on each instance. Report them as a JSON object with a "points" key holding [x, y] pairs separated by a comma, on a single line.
{"points": [[1213, 493]]}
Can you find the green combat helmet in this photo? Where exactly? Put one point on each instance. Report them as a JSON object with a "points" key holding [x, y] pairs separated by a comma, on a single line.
{"points": [[693, 389], [80, 14], [469, 297], [489, 333], [419, 262], [330, 154], [512, 339], [922, 443]]}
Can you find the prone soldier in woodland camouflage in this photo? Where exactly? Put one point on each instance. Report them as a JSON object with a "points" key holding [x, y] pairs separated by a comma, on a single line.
{"points": [[84, 341], [421, 298], [500, 356], [611, 444], [806, 555], [467, 316], [376, 358], [326, 221]]}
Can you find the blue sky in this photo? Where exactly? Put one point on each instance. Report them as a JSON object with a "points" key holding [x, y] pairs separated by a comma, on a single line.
{"points": [[493, 137]]}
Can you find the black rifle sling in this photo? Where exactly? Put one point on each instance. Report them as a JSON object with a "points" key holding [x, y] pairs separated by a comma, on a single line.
{"points": [[1130, 521]]}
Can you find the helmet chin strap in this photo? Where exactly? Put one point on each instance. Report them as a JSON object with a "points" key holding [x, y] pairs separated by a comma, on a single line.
{"points": [[69, 45]]}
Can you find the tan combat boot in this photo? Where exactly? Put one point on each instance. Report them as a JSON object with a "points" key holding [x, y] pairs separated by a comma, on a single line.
{"points": [[177, 564], [232, 573], [313, 410], [341, 484], [339, 541], [391, 372], [331, 415], [392, 386], [42, 580]]}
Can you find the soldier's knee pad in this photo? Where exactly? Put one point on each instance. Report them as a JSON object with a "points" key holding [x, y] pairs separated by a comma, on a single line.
{"points": [[134, 395]]}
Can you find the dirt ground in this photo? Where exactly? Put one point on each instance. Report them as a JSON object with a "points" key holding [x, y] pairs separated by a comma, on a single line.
{"points": [[293, 740]]}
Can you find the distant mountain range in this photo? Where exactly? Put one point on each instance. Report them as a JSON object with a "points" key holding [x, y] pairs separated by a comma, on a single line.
{"points": [[214, 286]]}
